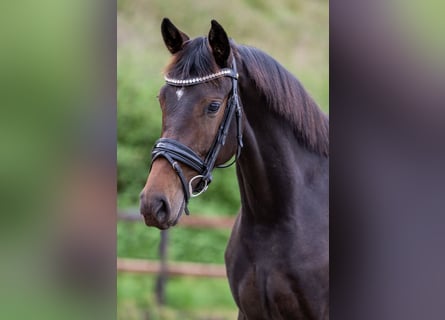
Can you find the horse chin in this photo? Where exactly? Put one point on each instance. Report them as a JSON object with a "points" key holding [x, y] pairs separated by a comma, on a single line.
{"points": [[150, 222]]}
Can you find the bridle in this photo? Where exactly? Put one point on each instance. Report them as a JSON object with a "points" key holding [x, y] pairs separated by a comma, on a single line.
{"points": [[174, 151]]}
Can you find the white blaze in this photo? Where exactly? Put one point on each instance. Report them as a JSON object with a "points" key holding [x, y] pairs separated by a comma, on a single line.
{"points": [[179, 93]]}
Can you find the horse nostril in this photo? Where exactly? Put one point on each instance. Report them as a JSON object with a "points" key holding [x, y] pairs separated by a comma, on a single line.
{"points": [[161, 210], [155, 209]]}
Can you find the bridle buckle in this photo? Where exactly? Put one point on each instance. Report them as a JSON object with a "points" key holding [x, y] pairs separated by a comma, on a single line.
{"points": [[192, 194]]}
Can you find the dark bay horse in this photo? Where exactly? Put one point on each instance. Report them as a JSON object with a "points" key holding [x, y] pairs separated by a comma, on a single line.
{"points": [[222, 100]]}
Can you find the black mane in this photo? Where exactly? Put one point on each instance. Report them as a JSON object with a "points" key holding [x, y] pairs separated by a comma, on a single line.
{"points": [[284, 93], [286, 96]]}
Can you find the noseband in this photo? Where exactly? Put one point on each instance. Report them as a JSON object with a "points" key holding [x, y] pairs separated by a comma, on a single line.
{"points": [[174, 151]]}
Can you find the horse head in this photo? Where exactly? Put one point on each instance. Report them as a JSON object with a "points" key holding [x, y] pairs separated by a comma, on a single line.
{"points": [[198, 103]]}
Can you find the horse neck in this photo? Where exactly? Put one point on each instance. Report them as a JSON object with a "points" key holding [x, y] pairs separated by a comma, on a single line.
{"points": [[274, 170]]}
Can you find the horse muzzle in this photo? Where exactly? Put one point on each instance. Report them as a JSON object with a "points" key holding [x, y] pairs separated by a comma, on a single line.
{"points": [[161, 200], [155, 210]]}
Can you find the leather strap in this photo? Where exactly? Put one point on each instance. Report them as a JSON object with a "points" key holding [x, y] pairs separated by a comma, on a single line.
{"points": [[180, 174], [178, 152]]}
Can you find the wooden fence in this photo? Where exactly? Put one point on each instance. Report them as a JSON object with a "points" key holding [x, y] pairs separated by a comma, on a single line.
{"points": [[195, 221], [163, 268], [174, 269]]}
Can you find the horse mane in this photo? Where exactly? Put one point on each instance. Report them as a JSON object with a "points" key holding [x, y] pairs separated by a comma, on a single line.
{"points": [[283, 92], [287, 97]]}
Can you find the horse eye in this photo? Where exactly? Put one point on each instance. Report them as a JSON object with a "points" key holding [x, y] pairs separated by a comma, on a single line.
{"points": [[214, 106]]}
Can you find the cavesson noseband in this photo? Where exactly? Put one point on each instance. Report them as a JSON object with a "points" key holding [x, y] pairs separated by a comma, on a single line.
{"points": [[174, 151]]}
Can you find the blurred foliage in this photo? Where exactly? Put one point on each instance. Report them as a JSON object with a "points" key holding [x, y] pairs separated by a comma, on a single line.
{"points": [[295, 33], [52, 108], [420, 26]]}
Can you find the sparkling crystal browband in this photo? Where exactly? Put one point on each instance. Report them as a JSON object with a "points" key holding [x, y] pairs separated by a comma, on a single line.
{"points": [[190, 82]]}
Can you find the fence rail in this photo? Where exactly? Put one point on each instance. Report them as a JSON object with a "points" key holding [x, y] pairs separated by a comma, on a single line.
{"points": [[164, 268], [173, 268], [195, 221]]}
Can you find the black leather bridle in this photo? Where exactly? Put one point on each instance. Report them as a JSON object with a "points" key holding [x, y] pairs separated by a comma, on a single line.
{"points": [[174, 151]]}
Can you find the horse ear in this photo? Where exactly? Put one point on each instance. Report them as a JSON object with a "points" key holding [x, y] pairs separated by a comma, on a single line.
{"points": [[219, 42], [173, 37]]}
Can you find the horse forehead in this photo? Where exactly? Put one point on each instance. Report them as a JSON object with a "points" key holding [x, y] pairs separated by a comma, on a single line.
{"points": [[187, 94], [180, 104], [179, 93]]}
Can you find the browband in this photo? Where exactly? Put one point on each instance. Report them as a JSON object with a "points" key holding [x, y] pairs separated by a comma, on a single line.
{"points": [[226, 72]]}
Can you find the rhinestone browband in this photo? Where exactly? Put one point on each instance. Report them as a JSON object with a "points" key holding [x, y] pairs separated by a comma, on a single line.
{"points": [[190, 82]]}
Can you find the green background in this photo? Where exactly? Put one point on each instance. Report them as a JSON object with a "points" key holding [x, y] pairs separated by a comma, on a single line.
{"points": [[293, 32]]}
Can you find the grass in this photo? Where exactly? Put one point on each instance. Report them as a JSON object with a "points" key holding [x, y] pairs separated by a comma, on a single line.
{"points": [[187, 298], [209, 299]]}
